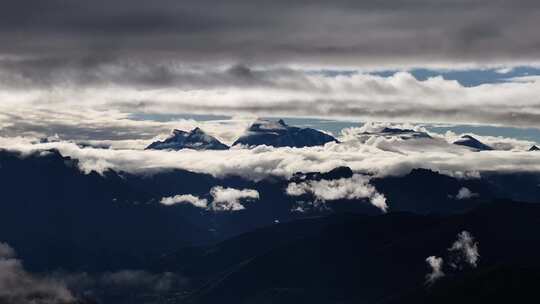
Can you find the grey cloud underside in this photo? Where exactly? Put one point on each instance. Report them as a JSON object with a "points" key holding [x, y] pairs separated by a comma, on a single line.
{"points": [[172, 57], [86, 33], [72, 126], [406, 111]]}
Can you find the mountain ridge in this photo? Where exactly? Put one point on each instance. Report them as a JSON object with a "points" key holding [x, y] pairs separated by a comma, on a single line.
{"points": [[279, 134], [195, 139]]}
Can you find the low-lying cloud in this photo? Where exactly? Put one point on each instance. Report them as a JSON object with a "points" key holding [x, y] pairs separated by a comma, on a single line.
{"points": [[465, 193], [17, 286], [229, 199], [185, 199], [376, 156], [356, 187], [462, 254], [436, 265], [464, 251], [223, 199]]}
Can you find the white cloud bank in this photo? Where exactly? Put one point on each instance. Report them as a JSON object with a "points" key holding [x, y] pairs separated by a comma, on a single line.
{"points": [[465, 193], [229, 199], [376, 155], [224, 199], [356, 187], [185, 199], [269, 92], [17, 286]]}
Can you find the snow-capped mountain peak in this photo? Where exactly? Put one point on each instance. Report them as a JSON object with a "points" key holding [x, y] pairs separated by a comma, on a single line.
{"points": [[279, 134], [471, 142], [196, 139]]}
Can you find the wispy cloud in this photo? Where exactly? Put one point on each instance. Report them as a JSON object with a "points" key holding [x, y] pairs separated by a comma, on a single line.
{"points": [[185, 199], [356, 187], [17, 286], [465, 193], [229, 199], [464, 251], [436, 265]]}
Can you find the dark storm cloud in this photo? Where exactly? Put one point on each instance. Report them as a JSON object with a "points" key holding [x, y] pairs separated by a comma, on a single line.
{"points": [[260, 57], [331, 32]]}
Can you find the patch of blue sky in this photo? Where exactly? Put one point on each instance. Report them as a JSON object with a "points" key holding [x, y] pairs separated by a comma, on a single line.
{"points": [[467, 78], [529, 134], [471, 78]]}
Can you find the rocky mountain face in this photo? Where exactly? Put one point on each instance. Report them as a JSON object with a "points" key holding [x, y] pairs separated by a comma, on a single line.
{"points": [[196, 139], [473, 143], [279, 134]]}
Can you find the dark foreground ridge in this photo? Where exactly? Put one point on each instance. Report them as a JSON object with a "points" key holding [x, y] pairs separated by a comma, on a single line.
{"points": [[347, 252], [346, 258]]}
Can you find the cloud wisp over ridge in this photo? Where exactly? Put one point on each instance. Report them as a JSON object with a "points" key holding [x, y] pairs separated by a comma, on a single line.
{"points": [[184, 199], [21, 287], [230, 199], [376, 155], [436, 265], [356, 187], [223, 199], [463, 253]]}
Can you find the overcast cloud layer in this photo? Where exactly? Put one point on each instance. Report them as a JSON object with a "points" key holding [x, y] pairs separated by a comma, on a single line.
{"points": [[88, 111], [84, 33], [80, 68]]}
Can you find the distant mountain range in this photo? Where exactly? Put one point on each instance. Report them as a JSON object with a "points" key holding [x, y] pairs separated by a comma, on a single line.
{"points": [[196, 139], [261, 132], [399, 133], [279, 134]]}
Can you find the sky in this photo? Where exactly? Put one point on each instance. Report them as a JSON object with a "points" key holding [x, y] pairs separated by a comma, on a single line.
{"points": [[123, 73], [448, 61]]}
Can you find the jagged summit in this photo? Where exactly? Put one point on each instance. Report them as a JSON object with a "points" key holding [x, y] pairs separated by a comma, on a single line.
{"points": [[389, 132], [392, 130], [471, 142], [279, 134], [336, 173], [534, 148], [267, 125], [196, 139]]}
